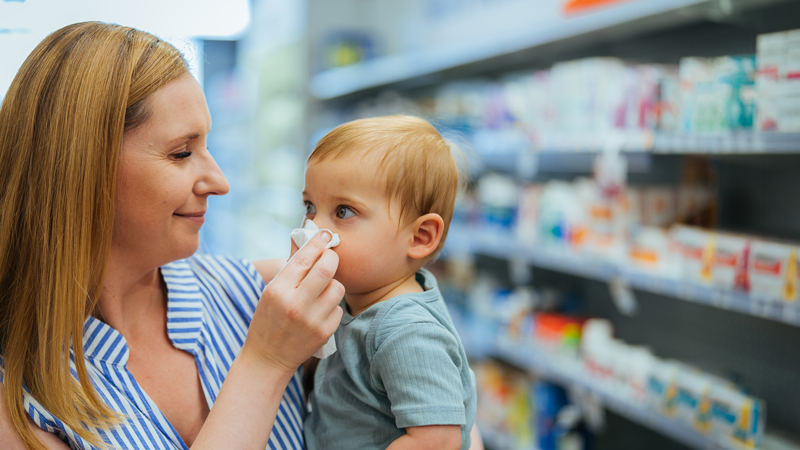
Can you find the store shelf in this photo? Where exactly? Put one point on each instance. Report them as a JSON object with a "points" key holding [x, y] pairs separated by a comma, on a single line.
{"points": [[724, 143], [382, 71], [495, 440], [572, 153], [569, 372], [727, 143], [503, 245]]}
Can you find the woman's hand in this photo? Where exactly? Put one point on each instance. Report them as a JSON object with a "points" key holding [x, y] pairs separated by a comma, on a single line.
{"points": [[298, 310]]}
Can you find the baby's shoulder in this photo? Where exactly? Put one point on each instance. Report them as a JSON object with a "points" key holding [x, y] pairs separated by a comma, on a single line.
{"points": [[401, 316]]}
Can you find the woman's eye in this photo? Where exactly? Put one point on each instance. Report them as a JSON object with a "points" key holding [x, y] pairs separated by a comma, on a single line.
{"points": [[311, 210], [181, 155], [343, 212]]}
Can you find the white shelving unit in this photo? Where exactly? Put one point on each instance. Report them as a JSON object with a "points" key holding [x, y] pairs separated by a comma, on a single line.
{"points": [[575, 153], [338, 82], [570, 372], [505, 246], [645, 141]]}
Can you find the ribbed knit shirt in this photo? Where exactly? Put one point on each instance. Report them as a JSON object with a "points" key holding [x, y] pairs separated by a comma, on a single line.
{"points": [[211, 301], [399, 364]]}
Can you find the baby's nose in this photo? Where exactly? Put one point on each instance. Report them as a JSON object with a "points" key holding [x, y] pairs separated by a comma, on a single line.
{"points": [[321, 223]]}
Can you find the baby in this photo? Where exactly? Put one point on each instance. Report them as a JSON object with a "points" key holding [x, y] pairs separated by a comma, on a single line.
{"points": [[400, 378]]}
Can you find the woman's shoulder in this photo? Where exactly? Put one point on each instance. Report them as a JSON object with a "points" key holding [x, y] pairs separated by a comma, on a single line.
{"points": [[224, 269], [214, 278], [11, 440]]}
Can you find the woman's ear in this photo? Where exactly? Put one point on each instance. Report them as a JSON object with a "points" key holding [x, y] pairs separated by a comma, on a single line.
{"points": [[426, 233]]}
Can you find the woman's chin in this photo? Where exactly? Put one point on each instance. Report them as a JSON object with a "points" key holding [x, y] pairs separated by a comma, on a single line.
{"points": [[185, 250]]}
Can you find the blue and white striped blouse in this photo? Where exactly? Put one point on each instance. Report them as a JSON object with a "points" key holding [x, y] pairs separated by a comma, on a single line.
{"points": [[211, 303]]}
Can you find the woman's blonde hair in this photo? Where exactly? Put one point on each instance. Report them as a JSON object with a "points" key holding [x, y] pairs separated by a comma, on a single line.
{"points": [[414, 164], [61, 129]]}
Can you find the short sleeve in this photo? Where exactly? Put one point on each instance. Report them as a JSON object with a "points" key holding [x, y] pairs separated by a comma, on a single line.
{"points": [[419, 368]]}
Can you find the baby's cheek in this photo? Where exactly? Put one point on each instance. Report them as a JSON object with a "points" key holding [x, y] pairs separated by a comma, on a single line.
{"points": [[354, 271]]}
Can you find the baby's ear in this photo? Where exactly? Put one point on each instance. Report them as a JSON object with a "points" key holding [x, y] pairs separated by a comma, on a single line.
{"points": [[426, 232]]}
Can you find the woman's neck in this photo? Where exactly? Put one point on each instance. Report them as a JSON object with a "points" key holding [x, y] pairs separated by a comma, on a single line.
{"points": [[131, 297]]}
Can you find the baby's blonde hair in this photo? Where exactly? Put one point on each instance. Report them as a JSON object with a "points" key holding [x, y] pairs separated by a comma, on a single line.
{"points": [[415, 165]]}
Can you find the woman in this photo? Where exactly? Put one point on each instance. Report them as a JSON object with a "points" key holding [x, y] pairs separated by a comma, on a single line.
{"points": [[105, 176]]}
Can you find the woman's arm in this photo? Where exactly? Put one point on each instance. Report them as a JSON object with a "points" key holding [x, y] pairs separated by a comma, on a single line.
{"points": [[298, 311], [12, 441], [476, 438]]}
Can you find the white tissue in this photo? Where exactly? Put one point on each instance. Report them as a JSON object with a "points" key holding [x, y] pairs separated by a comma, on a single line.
{"points": [[301, 236]]}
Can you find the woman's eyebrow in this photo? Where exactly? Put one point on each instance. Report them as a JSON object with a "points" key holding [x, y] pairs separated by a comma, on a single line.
{"points": [[184, 138]]}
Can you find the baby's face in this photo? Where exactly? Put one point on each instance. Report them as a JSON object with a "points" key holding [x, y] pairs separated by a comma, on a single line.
{"points": [[343, 196]]}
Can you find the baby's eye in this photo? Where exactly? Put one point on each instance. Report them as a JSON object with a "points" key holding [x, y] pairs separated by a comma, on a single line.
{"points": [[344, 212], [311, 210]]}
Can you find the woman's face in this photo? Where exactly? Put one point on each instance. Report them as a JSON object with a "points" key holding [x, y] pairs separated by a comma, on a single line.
{"points": [[164, 179]]}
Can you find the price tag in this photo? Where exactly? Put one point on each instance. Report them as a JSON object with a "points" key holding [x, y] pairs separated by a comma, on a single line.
{"points": [[623, 296]]}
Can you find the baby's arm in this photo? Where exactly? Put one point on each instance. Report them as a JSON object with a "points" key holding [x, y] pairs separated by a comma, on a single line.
{"points": [[433, 437], [268, 268], [418, 366]]}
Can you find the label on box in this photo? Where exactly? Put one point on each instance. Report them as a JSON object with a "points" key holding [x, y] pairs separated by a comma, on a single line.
{"points": [[773, 271], [695, 250], [730, 262]]}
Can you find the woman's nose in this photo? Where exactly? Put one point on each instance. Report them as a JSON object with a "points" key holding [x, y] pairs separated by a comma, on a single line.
{"points": [[213, 181]]}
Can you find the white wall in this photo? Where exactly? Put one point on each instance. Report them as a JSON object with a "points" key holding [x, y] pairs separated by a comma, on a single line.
{"points": [[23, 24]]}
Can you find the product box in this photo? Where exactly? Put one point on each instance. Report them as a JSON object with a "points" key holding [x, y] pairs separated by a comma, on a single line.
{"points": [[736, 418], [770, 49], [596, 336], [498, 198], [789, 100], [697, 85], [669, 107], [774, 271], [662, 386], [695, 204], [650, 250], [506, 404], [558, 333], [562, 216], [528, 214], [637, 364], [658, 206], [693, 403], [731, 268], [694, 249], [604, 221], [736, 78]]}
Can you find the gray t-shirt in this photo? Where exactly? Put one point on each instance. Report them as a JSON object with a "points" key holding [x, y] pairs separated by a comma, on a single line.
{"points": [[399, 364]]}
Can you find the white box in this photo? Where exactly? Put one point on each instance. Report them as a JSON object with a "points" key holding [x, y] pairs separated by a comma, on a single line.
{"points": [[731, 269], [736, 418], [773, 271], [770, 54], [694, 249]]}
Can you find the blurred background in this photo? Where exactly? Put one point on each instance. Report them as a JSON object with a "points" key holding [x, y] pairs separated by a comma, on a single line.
{"points": [[623, 266]]}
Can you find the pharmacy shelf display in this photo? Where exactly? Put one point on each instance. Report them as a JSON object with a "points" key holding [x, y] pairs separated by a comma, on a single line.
{"points": [[341, 81], [646, 141], [505, 246], [570, 372]]}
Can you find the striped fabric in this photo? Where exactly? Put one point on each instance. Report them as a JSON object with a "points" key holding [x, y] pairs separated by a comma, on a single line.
{"points": [[211, 302]]}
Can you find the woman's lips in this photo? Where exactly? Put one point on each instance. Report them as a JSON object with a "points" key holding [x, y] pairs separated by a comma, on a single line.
{"points": [[198, 217]]}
